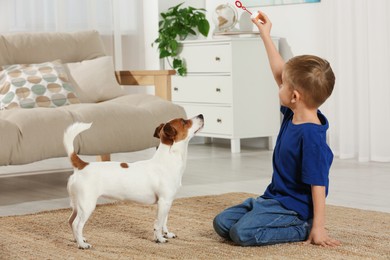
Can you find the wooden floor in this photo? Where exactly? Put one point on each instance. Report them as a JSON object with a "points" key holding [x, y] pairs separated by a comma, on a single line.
{"points": [[211, 169]]}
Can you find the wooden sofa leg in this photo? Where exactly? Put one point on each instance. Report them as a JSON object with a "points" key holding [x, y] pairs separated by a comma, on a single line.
{"points": [[104, 158]]}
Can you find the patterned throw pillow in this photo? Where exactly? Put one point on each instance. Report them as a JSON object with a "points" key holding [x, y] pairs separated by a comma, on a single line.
{"points": [[35, 85]]}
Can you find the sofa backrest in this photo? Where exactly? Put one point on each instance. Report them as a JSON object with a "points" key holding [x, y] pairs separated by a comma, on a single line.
{"points": [[28, 48]]}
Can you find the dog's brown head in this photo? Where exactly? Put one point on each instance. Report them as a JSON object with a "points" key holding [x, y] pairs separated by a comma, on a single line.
{"points": [[179, 129]]}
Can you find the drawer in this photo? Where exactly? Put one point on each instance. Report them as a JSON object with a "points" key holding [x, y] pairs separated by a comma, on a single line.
{"points": [[217, 120], [207, 58], [202, 89]]}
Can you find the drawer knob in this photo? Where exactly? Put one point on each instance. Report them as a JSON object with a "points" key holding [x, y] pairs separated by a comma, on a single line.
{"points": [[175, 89], [218, 89], [219, 120], [217, 58]]}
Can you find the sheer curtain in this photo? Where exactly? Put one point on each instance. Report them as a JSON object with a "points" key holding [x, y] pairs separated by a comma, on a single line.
{"points": [[120, 22], [357, 34]]}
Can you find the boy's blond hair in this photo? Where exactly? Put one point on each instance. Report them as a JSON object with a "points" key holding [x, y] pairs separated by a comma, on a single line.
{"points": [[312, 76]]}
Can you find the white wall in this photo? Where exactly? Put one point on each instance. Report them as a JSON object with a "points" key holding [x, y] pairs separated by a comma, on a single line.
{"points": [[164, 5], [299, 26]]}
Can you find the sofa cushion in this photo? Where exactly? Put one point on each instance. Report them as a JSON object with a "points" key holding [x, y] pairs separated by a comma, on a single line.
{"points": [[35, 85], [9, 136], [38, 134], [124, 124], [27, 48], [94, 80]]}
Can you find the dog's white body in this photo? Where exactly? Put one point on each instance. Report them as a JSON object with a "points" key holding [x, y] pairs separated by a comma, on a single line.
{"points": [[151, 181]]}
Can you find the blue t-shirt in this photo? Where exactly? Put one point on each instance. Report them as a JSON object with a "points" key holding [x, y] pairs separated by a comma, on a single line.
{"points": [[301, 158]]}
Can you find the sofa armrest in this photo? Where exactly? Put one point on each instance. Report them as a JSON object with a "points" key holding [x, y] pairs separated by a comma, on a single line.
{"points": [[161, 79]]}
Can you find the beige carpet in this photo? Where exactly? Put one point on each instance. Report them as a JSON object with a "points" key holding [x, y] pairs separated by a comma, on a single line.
{"points": [[124, 231]]}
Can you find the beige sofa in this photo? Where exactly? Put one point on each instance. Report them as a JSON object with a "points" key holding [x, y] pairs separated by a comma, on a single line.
{"points": [[69, 78]]}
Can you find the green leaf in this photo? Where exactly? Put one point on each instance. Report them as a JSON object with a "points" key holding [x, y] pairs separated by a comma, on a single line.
{"points": [[204, 27], [177, 63], [164, 54], [182, 71], [162, 45], [173, 44]]}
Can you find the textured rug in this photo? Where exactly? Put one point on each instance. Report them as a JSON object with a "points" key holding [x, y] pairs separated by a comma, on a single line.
{"points": [[124, 231]]}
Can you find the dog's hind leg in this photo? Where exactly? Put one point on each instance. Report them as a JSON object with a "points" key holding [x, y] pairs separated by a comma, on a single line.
{"points": [[83, 213], [72, 217], [73, 204], [71, 220], [167, 234], [163, 207]]}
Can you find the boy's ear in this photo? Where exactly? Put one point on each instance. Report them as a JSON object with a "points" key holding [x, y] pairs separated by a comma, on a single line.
{"points": [[295, 97]]}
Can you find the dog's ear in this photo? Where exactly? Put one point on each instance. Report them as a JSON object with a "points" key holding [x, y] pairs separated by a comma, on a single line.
{"points": [[168, 134], [157, 131]]}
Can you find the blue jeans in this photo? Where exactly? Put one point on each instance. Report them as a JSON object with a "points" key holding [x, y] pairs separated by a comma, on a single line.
{"points": [[261, 221]]}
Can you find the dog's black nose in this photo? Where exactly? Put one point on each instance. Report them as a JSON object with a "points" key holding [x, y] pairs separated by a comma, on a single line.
{"points": [[200, 116]]}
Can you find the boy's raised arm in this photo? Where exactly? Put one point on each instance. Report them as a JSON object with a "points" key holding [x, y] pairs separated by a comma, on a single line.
{"points": [[276, 61]]}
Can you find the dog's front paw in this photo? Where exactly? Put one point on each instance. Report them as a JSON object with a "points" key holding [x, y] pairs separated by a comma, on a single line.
{"points": [[169, 235], [84, 239], [158, 237], [84, 246]]}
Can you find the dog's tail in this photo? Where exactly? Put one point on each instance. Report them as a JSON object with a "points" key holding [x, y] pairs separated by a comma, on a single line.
{"points": [[70, 134]]}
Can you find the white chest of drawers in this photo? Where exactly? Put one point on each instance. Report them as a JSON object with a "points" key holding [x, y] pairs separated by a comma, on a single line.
{"points": [[231, 84]]}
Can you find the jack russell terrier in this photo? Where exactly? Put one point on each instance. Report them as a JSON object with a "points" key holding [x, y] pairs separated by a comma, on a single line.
{"points": [[151, 181]]}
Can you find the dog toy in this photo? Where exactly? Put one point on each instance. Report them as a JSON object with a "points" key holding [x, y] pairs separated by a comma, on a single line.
{"points": [[239, 5]]}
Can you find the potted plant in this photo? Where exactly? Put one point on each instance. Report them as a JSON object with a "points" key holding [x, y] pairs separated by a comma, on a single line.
{"points": [[176, 24]]}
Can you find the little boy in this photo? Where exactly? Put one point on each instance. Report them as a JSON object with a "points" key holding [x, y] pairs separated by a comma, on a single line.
{"points": [[293, 205]]}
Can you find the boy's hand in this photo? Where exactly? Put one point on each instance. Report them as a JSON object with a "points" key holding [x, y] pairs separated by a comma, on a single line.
{"points": [[263, 24], [319, 236]]}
